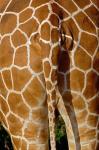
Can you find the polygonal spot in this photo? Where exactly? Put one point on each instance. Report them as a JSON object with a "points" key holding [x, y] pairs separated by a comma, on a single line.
{"points": [[84, 23], [96, 61], [75, 80], [42, 13], [91, 85], [15, 5], [35, 54], [18, 38], [25, 15], [81, 3], [45, 35], [68, 5], [8, 23], [34, 94], [93, 13], [31, 132], [15, 125], [29, 27], [21, 56], [93, 105], [6, 53], [82, 59], [36, 3], [3, 106], [91, 44], [17, 105], [7, 78], [3, 90], [20, 78]]}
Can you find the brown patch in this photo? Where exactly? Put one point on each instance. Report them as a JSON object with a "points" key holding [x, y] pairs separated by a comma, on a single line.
{"points": [[29, 27], [54, 35], [3, 119], [34, 93], [36, 3], [96, 2], [93, 105], [15, 125], [40, 115], [25, 15], [8, 23], [92, 120], [81, 116], [81, 3], [35, 54], [3, 4], [78, 102], [17, 142], [21, 57], [17, 105], [6, 53], [93, 13], [91, 44], [96, 61], [42, 13], [3, 90], [84, 23], [43, 135], [82, 60], [3, 106], [68, 5], [75, 81], [18, 38], [45, 49], [54, 75], [20, 78], [33, 147], [7, 78], [91, 85], [59, 11], [54, 20], [31, 132], [54, 56], [47, 69], [15, 5], [45, 35], [87, 134]]}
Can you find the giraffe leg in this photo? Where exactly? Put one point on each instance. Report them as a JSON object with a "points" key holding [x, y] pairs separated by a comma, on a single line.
{"points": [[70, 128], [51, 101]]}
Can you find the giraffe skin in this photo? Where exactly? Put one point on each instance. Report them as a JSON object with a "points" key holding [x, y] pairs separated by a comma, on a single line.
{"points": [[30, 44], [25, 50], [78, 77]]}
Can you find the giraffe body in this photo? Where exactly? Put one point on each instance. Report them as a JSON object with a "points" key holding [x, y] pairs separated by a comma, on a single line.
{"points": [[49, 58]]}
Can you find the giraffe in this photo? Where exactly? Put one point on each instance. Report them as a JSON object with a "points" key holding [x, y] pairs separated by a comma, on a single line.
{"points": [[78, 72], [26, 80], [28, 65]]}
